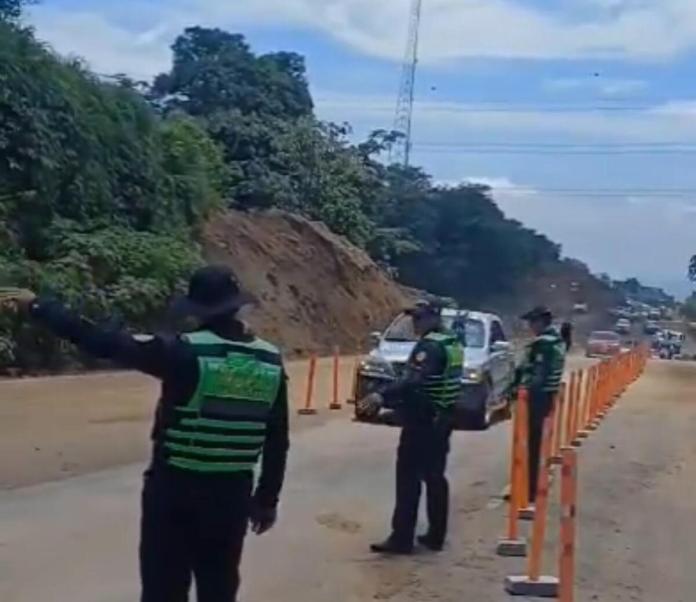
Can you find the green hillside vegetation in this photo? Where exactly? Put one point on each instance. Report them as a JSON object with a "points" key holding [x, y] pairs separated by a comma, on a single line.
{"points": [[104, 184]]}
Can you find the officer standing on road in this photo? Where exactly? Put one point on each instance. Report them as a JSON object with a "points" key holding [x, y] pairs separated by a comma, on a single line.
{"points": [[567, 335], [424, 398], [223, 404], [541, 373]]}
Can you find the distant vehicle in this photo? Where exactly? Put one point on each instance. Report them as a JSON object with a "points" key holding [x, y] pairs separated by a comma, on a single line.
{"points": [[581, 308], [651, 327], [622, 312], [627, 345], [654, 314], [671, 343], [623, 326], [603, 343], [489, 363]]}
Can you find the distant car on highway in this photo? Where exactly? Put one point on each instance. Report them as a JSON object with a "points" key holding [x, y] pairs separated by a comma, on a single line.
{"points": [[581, 308], [603, 343], [654, 314], [489, 363], [651, 327], [623, 326]]}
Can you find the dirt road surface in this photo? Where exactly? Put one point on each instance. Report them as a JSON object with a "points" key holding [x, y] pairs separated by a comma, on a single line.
{"points": [[58, 427], [75, 540]]}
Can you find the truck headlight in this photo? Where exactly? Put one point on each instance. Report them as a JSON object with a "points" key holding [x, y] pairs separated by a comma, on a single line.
{"points": [[376, 365], [472, 375]]}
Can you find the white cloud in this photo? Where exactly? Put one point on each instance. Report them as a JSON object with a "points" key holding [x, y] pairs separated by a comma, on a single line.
{"points": [[451, 29], [606, 87], [106, 47], [442, 122], [503, 187]]}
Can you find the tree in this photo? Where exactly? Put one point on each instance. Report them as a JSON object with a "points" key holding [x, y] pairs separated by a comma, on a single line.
{"points": [[11, 10], [214, 70], [99, 197]]}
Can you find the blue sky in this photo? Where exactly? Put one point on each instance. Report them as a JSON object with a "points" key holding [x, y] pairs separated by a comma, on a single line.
{"points": [[581, 114]]}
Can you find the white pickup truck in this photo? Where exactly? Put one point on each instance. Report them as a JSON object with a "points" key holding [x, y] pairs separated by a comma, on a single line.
{"points": [[489, 363]]}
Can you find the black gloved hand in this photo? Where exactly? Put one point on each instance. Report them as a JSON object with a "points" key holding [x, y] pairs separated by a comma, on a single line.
{"points": [[262, 518]]}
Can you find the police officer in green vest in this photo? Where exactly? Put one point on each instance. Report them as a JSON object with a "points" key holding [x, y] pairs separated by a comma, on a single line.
{"points": [[424, 397], [541, 373], [223, 405]]}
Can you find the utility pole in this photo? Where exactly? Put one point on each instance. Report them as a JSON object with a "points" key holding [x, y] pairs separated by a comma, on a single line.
{"points": [[401, 150]]}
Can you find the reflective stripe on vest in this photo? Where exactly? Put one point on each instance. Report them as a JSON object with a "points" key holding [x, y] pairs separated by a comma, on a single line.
{"points": [[222, 428], [444, 390]]}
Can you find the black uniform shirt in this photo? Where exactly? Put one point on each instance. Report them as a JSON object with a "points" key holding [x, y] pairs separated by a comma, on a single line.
{"points": [[173, 361], [407, 394]]}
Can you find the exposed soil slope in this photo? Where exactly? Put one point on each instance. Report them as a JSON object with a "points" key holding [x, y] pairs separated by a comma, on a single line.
{"points": [[315, 289]]}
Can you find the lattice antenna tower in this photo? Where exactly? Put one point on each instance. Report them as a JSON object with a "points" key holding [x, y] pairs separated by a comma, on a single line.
{"points": [[403, 120]]}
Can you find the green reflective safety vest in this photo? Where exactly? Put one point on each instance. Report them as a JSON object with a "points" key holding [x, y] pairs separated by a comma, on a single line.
{"points": [[444, 389], [222, 428], [544, 362]]}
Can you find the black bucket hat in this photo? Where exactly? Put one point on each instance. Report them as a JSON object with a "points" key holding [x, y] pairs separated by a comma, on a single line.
{"points": [[213, 291], [540, 312]]}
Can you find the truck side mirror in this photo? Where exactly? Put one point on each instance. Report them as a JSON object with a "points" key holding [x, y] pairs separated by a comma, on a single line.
{"points": [[375, 338]]}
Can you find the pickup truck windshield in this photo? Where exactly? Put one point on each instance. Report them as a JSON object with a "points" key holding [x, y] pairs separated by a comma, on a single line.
{"points": [[471, 332]]}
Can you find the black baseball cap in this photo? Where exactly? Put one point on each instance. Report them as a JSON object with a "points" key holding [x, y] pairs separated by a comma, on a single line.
{"points": [[540, 312], [213, 291]]}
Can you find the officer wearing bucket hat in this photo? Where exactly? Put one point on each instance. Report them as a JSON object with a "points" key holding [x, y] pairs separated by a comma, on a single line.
{"points": [[223, 405], [541, 373], [424, 397]]}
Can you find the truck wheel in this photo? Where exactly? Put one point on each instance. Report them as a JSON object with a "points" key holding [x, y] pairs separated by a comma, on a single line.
{"points": [[480, 419]]}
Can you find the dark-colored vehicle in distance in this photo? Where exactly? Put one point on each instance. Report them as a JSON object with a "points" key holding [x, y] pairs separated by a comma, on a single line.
{"points": [[651, 327], [603, 343]]}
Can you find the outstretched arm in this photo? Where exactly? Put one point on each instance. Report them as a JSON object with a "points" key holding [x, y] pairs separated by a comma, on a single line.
{"points": [[145, 354]]}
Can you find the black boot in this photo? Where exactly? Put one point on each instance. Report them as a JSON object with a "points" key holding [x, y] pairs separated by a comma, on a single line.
{"points": [[389, 546], [428, 541]]}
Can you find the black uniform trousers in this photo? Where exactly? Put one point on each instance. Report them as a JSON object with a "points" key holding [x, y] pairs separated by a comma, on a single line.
{"points": [[193, 525], [421, 458], [540, 405]]}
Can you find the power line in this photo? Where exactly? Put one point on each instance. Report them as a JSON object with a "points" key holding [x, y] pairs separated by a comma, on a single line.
{"points": [[540, 108], [642, 192], [448, 150], [658, 108], [555, 145]]}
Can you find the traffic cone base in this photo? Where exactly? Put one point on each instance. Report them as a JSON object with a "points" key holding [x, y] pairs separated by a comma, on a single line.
{"points": [[527, 513], [583, 434], [306, 411], [512, 548], [555, 460], [335, 406], [544, 587], [576, 443]]}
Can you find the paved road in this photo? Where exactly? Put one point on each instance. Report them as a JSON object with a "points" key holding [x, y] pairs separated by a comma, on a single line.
{"points": [[75, 540]]}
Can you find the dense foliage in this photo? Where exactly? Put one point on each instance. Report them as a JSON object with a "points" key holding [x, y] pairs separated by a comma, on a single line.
{"points": [[99, 196]]}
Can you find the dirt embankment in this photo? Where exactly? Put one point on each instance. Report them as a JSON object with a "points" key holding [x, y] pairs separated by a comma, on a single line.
{"points": [[315, 289]]}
